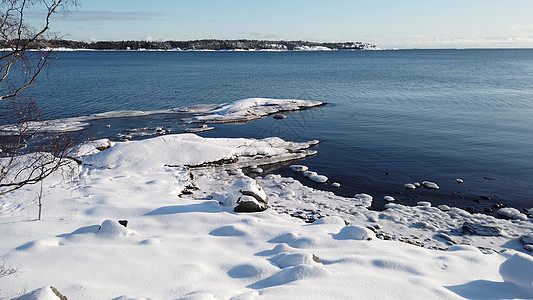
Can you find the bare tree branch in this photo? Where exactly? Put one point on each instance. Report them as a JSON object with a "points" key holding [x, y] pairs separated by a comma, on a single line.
{"points": [[17, 36]]}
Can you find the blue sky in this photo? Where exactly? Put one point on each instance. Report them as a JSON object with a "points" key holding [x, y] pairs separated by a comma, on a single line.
{"points": [[389, 24]]}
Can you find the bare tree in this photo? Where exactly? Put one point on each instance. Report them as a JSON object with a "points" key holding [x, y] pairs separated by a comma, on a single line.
{"points": [[24, 54], [17, 37], [47, 154], [6, 270]]}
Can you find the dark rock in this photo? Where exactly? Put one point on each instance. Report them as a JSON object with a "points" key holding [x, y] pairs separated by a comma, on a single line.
{"points": [[387, 173], [470, 210], [58, 294], [446, 237], [488, 209], [249, 206], [498, 205], [187, 192], [123, 223], [477, 200], [485, 197], [479, 229], [316, 259], [279, 116]]}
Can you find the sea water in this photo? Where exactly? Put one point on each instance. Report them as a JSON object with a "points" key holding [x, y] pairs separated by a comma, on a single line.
{"points": [[393, 117]]}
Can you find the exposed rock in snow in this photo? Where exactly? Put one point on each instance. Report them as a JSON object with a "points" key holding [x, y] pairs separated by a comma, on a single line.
{"points": [[527, 239], [481, 229], [247, 195]]}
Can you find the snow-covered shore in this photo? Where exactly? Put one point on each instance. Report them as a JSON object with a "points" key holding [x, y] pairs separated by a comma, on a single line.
{"points": [[184, 240]]}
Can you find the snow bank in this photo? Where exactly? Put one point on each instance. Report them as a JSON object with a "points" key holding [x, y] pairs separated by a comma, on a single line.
{"points": [[193, 150], [187, 245]]}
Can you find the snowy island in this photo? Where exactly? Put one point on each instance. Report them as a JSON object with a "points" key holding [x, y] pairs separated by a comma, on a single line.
{"points": [[206, 45], [175, 217]]}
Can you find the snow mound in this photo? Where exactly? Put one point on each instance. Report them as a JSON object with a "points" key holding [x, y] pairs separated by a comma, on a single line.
{"points": [[44, 293], [193, 150], [518, 270], [354, 232], [285, 260], [252, 109], [91, 147], [111, 229], [291, 274]]}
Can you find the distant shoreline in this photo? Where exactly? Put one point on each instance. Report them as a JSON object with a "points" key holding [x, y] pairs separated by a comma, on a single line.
{"points": [[201, 45]]}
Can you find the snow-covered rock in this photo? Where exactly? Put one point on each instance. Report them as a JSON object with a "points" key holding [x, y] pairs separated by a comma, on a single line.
{"points": [[314, 176], [298, 168], [354, 232], [389, 198], [247, 195], [430, 185], [253, 108], [364, 199], [512, 213], [410, 186]]}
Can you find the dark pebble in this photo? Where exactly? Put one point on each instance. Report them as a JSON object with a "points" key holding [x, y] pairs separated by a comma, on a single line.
{"points": [[485, 197], [470, 210], [123, 223], [498, 205], [387, 173], [488, 209]]}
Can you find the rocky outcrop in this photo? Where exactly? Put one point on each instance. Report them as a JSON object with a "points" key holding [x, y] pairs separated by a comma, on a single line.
{"points": [[479, 229]]}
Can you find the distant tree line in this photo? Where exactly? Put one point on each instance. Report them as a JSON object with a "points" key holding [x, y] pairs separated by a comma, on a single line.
{"points": [[197, 45]]}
